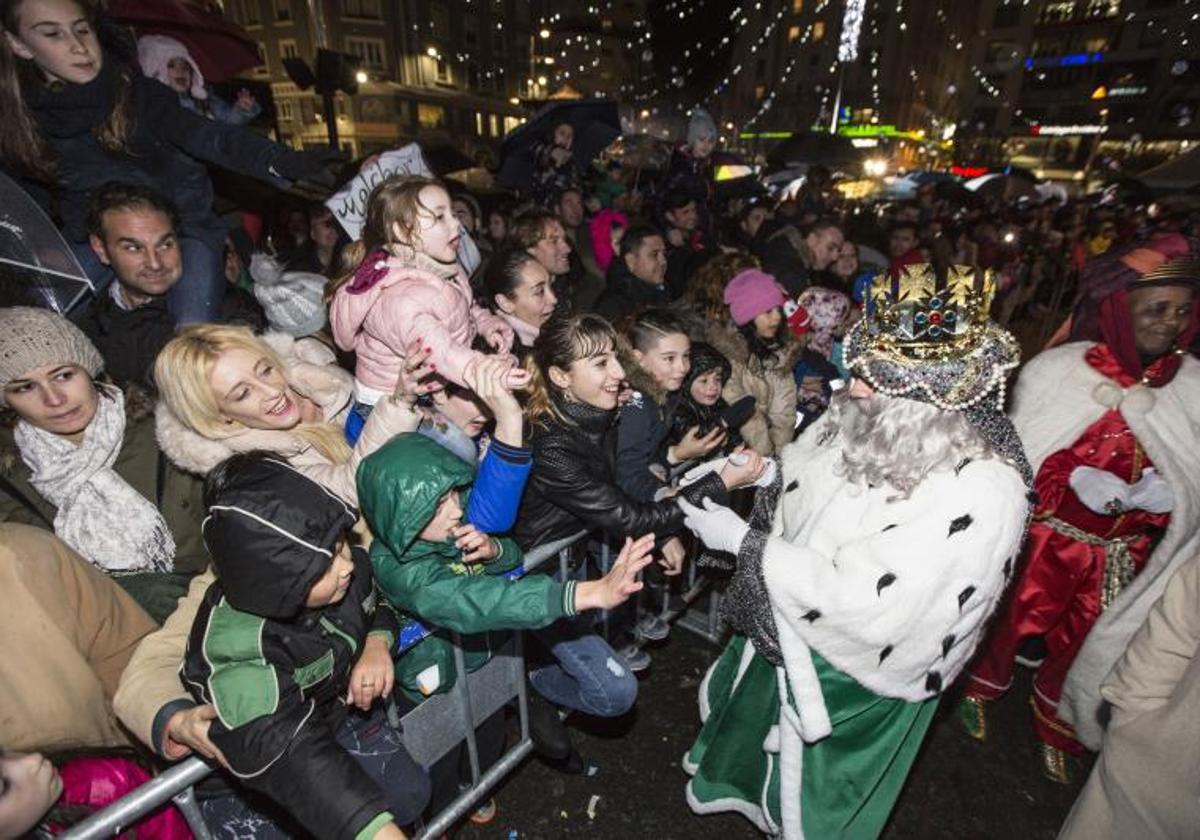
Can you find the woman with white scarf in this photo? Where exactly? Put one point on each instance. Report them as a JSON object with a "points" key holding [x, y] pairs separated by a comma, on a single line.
{"points": [[81, 459]]}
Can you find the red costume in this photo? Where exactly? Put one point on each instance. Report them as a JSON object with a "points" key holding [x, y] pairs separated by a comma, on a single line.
{"points": [[1075, 561]]}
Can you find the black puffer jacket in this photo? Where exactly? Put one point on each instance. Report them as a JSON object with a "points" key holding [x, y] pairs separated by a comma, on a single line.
{"points": [[167, 148], [276, 670], [573, 485]]}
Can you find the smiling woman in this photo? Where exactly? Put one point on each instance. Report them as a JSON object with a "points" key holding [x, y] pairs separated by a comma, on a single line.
{"points": [[82, 460], [224, 390]]}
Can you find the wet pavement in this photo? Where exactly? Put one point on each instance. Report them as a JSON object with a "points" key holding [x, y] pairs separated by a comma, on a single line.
{"points": [[958, 788]]}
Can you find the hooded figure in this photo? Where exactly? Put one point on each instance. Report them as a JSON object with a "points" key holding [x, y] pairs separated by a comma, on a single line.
{"points": [[690, 413], [1110, 423], [277, 670], [400, 489], [161, 56]]}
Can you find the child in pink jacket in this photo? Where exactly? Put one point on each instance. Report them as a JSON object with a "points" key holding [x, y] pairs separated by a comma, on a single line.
{"points": [[404, 284]]}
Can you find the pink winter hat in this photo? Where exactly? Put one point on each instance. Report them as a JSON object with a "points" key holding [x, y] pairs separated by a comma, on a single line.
{"points": [[751, 293]]}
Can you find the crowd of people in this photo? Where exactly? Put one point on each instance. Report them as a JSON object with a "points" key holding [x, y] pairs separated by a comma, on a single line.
{"points": [[234, 474]]}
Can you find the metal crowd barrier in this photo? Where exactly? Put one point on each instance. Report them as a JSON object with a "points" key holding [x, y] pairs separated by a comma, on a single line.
{"points": [[431, 731]]}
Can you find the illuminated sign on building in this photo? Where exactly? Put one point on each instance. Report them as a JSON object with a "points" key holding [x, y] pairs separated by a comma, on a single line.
{"points": [[1069, 60], [1064, 130]]}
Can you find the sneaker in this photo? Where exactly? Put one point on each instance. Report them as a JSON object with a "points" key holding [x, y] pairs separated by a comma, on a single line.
{"points": [[652, 628], [635, 659]]}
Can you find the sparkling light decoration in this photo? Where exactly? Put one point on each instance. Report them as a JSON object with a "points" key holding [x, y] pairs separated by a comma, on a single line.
{"points": [[852, 20]]}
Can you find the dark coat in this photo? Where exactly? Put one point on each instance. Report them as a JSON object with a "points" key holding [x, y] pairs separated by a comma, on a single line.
{"points": [[276, 670], [573, 485], [626, 295], [168, 146], [642, 467], [129, 340]]}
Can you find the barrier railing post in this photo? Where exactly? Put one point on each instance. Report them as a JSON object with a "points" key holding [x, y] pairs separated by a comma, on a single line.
{"points": [[186, 802], [462, 690]]}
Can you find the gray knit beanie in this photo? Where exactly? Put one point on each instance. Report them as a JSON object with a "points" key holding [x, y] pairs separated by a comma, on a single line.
{"points": [[32, 338], [701, 126]]}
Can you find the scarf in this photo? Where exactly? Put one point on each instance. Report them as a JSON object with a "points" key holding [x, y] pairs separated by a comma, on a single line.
{"points": [[99, 515], [65, 110], [1116, 331]]}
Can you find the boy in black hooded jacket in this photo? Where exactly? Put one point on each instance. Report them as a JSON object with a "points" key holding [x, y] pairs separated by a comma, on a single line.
{"points": [[291, 632]]}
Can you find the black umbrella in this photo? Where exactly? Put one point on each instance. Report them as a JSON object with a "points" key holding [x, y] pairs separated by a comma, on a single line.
{"points": [[596, 125], [813, 149], [37, 267]]}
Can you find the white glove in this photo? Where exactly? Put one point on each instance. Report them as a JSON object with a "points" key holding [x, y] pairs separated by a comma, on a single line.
{"points": [[716, 526], [1152, 493], [1101, 492]]}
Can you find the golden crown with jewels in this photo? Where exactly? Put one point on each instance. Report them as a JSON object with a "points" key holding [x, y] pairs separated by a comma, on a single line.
{"points": [[921, 315]]}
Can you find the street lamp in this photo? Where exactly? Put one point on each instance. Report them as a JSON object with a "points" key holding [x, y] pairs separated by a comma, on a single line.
{"points": [[545, 33]]}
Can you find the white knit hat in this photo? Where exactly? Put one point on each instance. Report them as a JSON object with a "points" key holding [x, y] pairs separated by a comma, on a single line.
{"points": [[294, 301], [32, 338]]}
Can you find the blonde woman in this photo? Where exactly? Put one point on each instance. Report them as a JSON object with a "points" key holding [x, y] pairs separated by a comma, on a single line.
{"points": [[222, 391]]}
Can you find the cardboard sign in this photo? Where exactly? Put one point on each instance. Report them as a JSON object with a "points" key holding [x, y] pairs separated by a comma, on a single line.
{"points": [[349, 204]]}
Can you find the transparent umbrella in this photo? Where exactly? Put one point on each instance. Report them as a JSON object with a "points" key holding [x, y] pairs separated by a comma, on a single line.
{"points": [[37, 266]]}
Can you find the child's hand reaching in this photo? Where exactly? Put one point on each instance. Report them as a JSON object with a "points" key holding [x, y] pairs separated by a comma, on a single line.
{"points": [[499, 340], [373, 675], [695, 445], [475, 545]]}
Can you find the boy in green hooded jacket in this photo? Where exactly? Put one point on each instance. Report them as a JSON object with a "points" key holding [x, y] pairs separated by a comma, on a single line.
{"points": [[448, 574]]}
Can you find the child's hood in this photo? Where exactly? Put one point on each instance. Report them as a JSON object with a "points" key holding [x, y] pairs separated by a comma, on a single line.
{"points": [[400, 485], [348, 310], [271, 533]]}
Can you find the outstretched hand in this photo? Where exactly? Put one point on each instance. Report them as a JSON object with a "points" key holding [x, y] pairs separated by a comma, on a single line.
{"points": [[715, 525], [187, 731], [614, 588]]}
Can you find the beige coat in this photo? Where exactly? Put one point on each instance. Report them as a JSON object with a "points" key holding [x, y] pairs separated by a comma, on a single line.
{"points": [[67, 632], [769, 381], [1146, 782]]}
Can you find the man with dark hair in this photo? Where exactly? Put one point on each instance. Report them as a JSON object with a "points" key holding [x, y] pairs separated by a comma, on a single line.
{"points": [[636, 278], [793, 254], [320, 252], [904, 247], [133, 230], [587, 279], [687, 245], [541, 233]]}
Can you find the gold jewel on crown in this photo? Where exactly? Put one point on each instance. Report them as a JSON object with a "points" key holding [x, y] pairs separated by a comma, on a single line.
{"points": [[917, 315]]}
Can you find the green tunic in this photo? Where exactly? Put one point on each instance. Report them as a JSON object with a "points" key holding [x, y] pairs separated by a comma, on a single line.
{"points": [[850, 780]]}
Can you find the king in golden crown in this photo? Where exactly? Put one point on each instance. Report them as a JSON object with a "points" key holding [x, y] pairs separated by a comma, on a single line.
{"points": [[919, 316]]}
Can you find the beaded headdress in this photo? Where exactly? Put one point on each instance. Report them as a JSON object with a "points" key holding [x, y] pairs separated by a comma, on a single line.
{"points": [[928, 338]]}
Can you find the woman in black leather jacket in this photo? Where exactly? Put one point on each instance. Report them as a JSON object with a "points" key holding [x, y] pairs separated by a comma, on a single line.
{"points": [[574, 394]]}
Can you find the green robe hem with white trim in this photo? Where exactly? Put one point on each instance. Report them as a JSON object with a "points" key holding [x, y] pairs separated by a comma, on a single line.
{"points": [[850, 779]]}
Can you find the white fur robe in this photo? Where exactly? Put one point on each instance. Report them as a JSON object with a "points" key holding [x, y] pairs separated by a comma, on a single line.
{"points": [[893, 592], [1058, 396]]}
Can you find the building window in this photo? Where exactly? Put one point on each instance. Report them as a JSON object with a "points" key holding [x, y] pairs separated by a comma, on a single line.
{"points": [[442, 73], [283, 11], [1103, 8], [245, 12], [264, 68], [818, 30], [288, 48], [797, 6], [494, 124], [1057, 11], [370, 50], [793, 33], [430, 116], [369, 9], [479, 124], [285, 109]]}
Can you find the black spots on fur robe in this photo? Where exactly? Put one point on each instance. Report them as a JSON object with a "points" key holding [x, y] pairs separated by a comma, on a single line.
{"points": [[961, 523]]}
